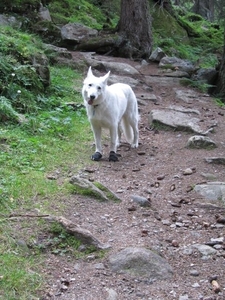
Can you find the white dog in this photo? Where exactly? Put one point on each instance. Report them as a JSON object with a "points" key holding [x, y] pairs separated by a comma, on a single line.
{"points": [[113, 107]]}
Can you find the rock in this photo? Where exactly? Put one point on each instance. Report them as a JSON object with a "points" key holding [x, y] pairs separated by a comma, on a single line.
{"points": [[125, 79], [82, 234], [112, 294], [140, 262], [205, 75], [177, 63], [95, 189], [195, 285], [40, 63], [188, 171], [184, 297], [212, 191], [157, 55], [147, 96], [209, 176], [178, 74], [120, 68], [142, 201], [166, 222], [200, 142], [74, 33], [204, 249], [44, 13], [194, 273], [215, 160], [175, 119], [10, 21], [164, 81], [186, 96], [58, 51]]}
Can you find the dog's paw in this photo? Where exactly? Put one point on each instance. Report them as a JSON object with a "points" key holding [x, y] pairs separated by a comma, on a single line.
{"points": [[96, 156], [113, 156]]}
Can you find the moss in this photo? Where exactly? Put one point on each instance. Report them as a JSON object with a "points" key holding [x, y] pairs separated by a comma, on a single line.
{"points": [[110, 195], [160, 20]]}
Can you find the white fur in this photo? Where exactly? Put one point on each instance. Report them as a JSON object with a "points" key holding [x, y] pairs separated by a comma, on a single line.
{"points": [[111, 107]]}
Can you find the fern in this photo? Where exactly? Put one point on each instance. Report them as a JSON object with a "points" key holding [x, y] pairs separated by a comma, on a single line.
{"points": [[6, 110]]}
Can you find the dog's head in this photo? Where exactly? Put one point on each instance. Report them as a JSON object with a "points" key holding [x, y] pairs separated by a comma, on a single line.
{"points": [[94, 88]]}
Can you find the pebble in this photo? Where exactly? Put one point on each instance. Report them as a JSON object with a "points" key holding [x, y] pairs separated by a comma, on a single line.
{"points": [[188, 171], [166, 222], [184, 297], [196, 285], [142, 201], [194, 273]]}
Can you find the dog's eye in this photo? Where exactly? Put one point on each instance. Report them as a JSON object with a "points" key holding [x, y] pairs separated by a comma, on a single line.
{"points": [[90, 84], [99, 88]]}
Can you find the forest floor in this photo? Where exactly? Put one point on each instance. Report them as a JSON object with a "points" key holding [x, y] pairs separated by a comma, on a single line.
{"points": [[177, 218]]}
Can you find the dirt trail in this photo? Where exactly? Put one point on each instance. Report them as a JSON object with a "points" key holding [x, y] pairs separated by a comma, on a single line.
{"points": [[177, 218]]}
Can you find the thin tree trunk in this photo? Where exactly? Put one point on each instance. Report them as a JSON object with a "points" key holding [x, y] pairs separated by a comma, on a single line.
{"points": [[220, 88]]}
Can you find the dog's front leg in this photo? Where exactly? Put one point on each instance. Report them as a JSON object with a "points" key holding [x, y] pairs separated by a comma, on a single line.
{"points": [[98, 147], [113, 145]]}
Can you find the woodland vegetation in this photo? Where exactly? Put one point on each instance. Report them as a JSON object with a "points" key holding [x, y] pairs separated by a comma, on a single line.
{"points": [[154, 24], [37, 127]]}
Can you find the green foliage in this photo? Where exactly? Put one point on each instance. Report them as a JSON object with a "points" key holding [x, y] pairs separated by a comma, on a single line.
{"points": [[6, 110], [17, 278], [203, 33], [77, 11], [201, 86], [20, 84], [19, 5], [60, 242]]}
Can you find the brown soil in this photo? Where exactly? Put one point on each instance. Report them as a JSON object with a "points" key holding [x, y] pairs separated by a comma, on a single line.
{"points": [[155, 171]]}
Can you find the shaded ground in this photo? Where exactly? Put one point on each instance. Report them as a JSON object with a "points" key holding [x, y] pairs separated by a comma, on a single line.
{"points": [[178, 216]]}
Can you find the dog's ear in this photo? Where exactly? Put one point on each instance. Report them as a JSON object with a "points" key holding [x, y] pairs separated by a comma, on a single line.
{"points": [[105, 78], [89, 73]]}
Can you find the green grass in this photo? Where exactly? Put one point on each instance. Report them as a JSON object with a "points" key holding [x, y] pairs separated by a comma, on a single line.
{"points": [[55, 141]]}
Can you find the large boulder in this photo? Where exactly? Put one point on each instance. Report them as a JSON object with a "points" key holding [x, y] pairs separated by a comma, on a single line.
{"points": [[74, 33], [140, 262]]}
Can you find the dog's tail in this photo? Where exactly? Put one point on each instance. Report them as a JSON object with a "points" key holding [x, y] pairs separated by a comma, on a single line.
{"points": [[127, 130]]}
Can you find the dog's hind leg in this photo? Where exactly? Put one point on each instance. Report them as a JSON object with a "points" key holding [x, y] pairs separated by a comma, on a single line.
{"points": [[134, 125]]}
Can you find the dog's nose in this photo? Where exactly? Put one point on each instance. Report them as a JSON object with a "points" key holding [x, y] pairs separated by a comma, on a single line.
{"points": [[92, 97]]}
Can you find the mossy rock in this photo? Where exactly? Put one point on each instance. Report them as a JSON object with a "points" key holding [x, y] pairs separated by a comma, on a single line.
{"points": [[96, 190]]}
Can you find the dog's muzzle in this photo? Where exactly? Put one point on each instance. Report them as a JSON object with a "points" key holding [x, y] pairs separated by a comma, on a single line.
{"points": [[91, 100]]}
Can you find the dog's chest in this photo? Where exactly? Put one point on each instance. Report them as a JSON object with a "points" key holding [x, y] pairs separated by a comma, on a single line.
{"points": [[99, 114]]}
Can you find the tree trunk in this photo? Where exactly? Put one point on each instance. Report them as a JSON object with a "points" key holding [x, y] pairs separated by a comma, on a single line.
{"points": [[135, 27], [204, 8], [220, 88]]}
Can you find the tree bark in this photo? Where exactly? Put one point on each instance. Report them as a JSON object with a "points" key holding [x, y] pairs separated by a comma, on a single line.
{"points": [[220, 88], [135, 26], [204, 8]]}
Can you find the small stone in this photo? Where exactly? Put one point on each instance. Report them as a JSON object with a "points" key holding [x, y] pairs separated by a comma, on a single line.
{"points": [[99, 266], [196, 285], [166, 222], [120, 191], [194, 273], [184, 297], [141, 152], [161, 177], [188, 171], [142, 201], [112, 294], [179, 224], [175, 243]]}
